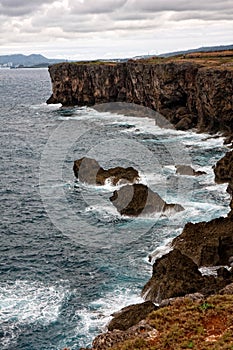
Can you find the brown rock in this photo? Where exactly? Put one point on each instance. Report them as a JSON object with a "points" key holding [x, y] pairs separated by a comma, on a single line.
{"points": [[184, 124], [130, 315], [207, 243], [136, 199], [109, 339], [227, 290], [224, 168], [202, 96], [188, 170], [88, 170], [176, 275]]}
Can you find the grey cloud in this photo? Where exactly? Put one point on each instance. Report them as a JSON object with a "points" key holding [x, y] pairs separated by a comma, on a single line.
{"points": [[97, 7], [179, 5], [20, 7]]}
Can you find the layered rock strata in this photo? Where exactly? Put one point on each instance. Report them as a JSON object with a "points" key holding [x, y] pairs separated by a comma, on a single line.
{"points": [[188, 94]]}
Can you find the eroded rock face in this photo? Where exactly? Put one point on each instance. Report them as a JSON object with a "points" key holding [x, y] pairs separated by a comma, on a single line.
{"points": [[187, 94], [89, 171], [207, 243], [188, 170], [175, 274], [136, 199], [223, 171], [130, 315]]}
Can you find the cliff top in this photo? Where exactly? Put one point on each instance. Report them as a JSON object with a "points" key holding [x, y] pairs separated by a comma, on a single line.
{"points": [[188, 325], [218, 59]]}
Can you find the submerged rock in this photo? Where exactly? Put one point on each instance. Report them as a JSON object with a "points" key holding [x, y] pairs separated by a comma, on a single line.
{"points": [[136, 199], [89, 171], [188, 170]]}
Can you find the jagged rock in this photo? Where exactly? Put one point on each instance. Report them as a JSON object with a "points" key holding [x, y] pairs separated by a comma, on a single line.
{"points": [[227, 290], [224, 173], [184, 124], [175, 274], [136, 199], [109, 339], [202, 96], [224, 168], [207, 243], [188, 170], [130, 315], [171, 301], [88, 170]]}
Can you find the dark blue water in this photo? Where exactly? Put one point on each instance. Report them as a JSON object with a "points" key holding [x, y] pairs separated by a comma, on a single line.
{"points": [[67, 258]]}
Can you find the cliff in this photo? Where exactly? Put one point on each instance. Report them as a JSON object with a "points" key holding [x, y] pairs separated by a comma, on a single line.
{"points": [[188, 92]]}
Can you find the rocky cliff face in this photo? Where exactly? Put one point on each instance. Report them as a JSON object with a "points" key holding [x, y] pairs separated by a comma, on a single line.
{"points": [[187, 94]]}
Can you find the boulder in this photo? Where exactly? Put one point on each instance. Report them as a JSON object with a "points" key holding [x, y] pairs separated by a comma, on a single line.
{"points": [[175, 275], [136, 199], [89, 171], [188, 170], [130, 315]]}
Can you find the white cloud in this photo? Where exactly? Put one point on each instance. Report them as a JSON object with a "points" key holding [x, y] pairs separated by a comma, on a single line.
{"points": [[119, 27]]}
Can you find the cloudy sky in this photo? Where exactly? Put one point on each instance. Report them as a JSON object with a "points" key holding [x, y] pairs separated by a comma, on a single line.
{"points": [[89, 29]]}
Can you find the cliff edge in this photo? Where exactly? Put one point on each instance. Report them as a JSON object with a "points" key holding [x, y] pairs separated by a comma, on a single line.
{"points": [[189, 92]]}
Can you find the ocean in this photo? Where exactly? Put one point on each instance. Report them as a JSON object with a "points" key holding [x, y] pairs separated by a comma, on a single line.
{"points": [[68, 260]]}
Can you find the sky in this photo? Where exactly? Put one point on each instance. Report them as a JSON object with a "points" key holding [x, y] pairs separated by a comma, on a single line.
{"points": [[92, 29]]}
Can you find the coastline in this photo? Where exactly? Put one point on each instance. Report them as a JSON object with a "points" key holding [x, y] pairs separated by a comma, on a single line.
{"points": [[65, 77]]}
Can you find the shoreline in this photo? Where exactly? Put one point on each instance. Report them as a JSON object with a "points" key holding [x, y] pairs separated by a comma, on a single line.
{"points": [[189, 95]]}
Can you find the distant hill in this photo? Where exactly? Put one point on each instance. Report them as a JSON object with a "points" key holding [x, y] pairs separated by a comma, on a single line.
{"points": [[200, 49], [28, 61]]}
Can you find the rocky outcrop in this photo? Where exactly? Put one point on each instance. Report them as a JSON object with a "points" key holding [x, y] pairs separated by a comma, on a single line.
{"points": [[136, 199], [223, 171], [89, 171], [207, 243], [130, 316], [143, 330], [188, 170], [186, 93], [175, 274]]}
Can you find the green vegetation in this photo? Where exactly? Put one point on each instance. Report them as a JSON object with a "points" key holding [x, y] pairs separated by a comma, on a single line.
{"points": [[189, 325]]}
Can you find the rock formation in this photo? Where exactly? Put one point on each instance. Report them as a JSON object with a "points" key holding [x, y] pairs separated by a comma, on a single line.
{"points": [[89, 171], [136, 199], [224, 171], [207, 243], [188, 170], [187, 93], [175, 274], [130, 316]]}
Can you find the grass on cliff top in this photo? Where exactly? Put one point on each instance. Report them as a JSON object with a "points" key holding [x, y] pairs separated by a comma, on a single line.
{"points": [[189, 325], [95, 63], [222, 60], [218, 59]]}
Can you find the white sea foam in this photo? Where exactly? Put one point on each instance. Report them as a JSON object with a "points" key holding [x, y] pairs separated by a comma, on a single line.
{"points": [[95, 318], [28, 302]]}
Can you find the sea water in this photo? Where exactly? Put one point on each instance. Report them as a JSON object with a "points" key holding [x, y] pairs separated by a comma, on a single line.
{"points": [[68, 260]]}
